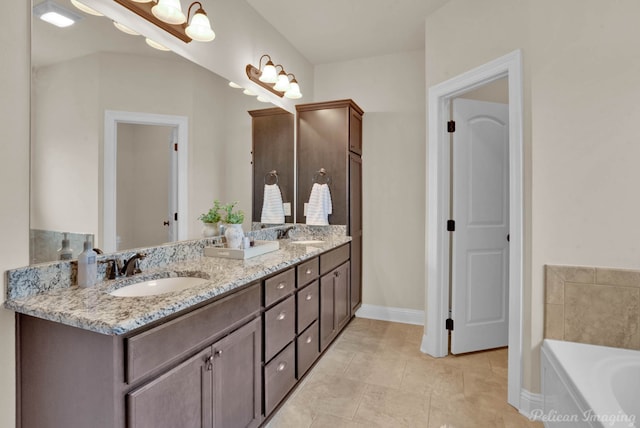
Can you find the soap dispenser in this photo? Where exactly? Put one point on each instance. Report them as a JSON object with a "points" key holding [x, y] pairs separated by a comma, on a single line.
{"points": [[65, 252], [87, 264]]}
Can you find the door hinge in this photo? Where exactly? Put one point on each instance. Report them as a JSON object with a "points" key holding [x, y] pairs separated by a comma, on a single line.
{"points": [[448, 324], [451, 225], [175, 147], [175, 216], [451, 126]]}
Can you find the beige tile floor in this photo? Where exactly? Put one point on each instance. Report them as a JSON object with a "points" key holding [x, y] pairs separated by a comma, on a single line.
{"points": [[374, 375]]}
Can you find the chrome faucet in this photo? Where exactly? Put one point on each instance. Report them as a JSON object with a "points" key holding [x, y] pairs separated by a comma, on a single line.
{"points": [[284, 233], [130, 267]]}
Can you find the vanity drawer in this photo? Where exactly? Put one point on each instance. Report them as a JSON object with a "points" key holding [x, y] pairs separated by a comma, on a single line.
{"points": [[279, 377], [279, 286], [308, 348], [308, 305], [279, 327], [175, 339], [308, 271], [333, 258]]}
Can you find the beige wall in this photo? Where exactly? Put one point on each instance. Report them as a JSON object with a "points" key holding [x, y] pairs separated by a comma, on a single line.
{"points": [[580, 109], [14, 181], [391, 91]]}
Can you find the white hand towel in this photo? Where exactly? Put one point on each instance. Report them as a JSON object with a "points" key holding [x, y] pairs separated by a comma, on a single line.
{"points": [[319, 206], [272, 208]]}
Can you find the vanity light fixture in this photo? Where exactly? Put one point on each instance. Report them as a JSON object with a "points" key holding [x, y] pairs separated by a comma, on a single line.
{"points": [[156, 45], [55, 14], [168, 15], [269, 78], [86, 9], [125, 29]]}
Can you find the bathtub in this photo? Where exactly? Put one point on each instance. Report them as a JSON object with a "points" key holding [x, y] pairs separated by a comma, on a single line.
{"points": [[589, 386]]}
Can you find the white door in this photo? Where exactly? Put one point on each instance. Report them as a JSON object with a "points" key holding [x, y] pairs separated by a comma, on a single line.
{"points": [[480, 209]]}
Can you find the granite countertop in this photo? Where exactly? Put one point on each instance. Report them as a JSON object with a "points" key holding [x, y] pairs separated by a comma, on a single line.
{"points": [[95, 310]]}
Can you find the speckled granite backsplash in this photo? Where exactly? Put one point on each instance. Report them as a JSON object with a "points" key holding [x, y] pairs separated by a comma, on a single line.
{"points": [[35, 279]]}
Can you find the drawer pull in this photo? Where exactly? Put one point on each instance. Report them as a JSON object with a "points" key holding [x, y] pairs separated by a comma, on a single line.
{"points": [[209, 363], [281, 286], [281, 316], [281, 366], [309, 297], [309, 272], [308, 339]]}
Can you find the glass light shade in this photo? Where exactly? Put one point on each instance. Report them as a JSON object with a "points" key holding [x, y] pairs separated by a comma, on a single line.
{"points": [[86, 9], [234, 85], [125, 29], [269, 73], [294, 91], [57, 19], [156, 45], [200, 28], [169, 11], [282, 84]]}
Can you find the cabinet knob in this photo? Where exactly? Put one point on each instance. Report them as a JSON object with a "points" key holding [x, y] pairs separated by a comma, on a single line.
{"points": [[218, 353], [281, 366], [309, 297], [308, 339], [281, 286], [308, 271], [282, 315], [336, 274]]}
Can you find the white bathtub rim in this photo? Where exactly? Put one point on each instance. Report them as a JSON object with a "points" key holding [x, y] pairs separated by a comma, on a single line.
{"points": [[593, 391]]}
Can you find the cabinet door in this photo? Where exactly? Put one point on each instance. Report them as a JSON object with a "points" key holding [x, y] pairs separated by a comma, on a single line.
{"points": [[355, 131], [179, 398], [355, 228], [237, 390], [327, 319], [342, 306]]}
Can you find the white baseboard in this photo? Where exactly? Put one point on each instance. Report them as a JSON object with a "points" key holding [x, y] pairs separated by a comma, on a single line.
{"points": [[386, 313], [530, 404]]}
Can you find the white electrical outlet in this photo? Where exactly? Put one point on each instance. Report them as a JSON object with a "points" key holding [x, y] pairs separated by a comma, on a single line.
{"points": [[287, 208]]}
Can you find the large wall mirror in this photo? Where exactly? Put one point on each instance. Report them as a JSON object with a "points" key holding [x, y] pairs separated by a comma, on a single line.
{"points": [[85, 72]]}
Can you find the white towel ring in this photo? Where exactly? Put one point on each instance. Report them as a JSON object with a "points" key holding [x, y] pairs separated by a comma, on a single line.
{"points": [[271, 177], [321, 177]]}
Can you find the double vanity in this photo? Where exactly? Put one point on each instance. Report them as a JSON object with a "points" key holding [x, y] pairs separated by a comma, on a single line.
{"points": [[222, 347]]}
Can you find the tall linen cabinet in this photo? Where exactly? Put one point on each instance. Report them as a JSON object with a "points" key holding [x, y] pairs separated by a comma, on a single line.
{"points": [[330, 140]]}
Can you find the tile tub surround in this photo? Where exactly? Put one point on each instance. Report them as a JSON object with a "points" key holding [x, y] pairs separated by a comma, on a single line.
{"points": [[95, 310], [593, 305]]}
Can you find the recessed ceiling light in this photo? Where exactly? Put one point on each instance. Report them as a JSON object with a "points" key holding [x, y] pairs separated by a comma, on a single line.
{"points": [[55, 14], [235, 85], [125, 29], [262, 99], [249, 92]]}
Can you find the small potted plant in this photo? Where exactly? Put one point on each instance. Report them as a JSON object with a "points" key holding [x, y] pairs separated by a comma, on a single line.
{"points": [[233, 231], [211, 220]]}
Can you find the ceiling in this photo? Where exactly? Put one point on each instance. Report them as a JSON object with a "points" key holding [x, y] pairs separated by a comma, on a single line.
{"points": [[338, 30]]}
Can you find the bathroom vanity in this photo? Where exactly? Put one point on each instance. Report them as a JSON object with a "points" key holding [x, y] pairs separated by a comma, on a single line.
{"points": [[222, 354]]}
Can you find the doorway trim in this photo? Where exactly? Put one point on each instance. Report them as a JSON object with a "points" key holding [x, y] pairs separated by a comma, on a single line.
{"points": [[111, 120], [435, 340]]}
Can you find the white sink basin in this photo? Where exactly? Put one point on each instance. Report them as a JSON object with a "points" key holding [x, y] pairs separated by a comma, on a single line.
{"points": [[308, 242], [158, 286]]}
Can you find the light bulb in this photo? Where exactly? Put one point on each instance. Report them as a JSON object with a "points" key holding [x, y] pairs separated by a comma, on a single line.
{"points": [[169, 11], [200, 28]]}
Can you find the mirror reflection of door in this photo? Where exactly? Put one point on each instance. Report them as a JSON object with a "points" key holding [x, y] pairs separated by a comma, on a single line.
{"points": [[145, 185]]}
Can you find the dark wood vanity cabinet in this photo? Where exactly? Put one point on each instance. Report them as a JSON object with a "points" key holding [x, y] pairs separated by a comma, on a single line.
{"points": [[199, 369], [330, 137], [218, 387], [273, 148]]}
